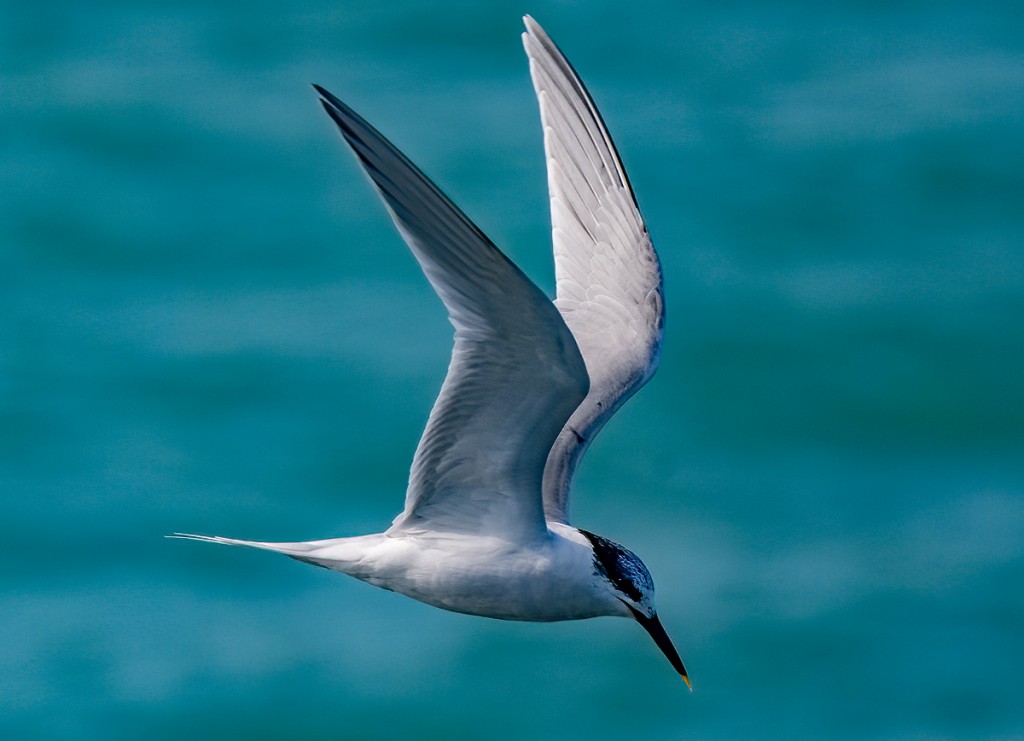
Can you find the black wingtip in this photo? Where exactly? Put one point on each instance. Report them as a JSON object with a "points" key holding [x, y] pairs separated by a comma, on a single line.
{"points": [[330, 103], [327, 97], [350, 123]]}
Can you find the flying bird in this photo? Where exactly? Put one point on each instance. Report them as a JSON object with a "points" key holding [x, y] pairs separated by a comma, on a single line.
{"points": [[485, 528]]}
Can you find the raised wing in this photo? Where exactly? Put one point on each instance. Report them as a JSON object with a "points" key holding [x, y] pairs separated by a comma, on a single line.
{"points": [[607, 274], [515, 375]]}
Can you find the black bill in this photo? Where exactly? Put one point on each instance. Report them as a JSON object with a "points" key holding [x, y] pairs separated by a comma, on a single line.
{"points": [[653, 626]]}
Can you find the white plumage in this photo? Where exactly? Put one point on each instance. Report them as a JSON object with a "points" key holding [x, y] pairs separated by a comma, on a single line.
{"points": [[485, 530]]}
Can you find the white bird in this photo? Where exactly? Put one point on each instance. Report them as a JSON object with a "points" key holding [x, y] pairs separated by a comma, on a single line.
{"points": [[485, 529]]}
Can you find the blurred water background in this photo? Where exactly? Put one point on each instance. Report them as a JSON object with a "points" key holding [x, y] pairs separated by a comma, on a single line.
{"points": [[208, 324]]}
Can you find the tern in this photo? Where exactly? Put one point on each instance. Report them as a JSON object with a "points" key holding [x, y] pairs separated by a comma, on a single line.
{"points": [[485, 528]]}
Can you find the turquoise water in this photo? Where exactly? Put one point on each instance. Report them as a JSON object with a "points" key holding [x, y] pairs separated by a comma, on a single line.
{"points": [[208, 324]]}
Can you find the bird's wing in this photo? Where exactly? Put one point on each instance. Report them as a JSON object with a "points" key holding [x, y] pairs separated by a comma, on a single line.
{"points": [[515, 374], [607, 273]]}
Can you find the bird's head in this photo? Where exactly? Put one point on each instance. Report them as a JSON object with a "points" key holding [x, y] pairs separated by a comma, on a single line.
{"points": [[623, 573]]}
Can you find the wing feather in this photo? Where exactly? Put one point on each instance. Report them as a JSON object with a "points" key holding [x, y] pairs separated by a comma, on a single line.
{"points": [[608, 278], [515, 374]]}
